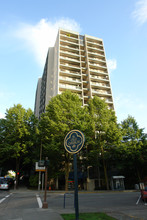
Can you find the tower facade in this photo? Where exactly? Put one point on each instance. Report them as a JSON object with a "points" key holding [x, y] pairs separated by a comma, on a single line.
{"points": [[77, 63]]}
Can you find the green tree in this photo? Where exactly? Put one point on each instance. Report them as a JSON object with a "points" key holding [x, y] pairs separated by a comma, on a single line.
{"points": [[134, 146], [17, 136], [63, 113], [104, 131]]}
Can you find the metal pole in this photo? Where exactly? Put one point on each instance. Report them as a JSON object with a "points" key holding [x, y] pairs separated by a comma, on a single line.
{"points": [[42, 181], [39, 180], [45, 204], [76, 188]]}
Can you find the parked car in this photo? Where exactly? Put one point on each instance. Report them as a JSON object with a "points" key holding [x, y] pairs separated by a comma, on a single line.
{"points": [[10, 181], [4, 183], [144, 194]]}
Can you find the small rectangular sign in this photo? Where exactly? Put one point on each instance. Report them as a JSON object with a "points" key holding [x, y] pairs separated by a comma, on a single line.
{"points": [[37, 168]]}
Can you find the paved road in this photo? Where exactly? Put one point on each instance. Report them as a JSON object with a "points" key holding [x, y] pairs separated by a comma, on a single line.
{"points": [[25, 205], [116, 204]]}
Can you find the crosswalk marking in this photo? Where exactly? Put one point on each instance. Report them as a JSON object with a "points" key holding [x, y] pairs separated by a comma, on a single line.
{"points": [[39, 201], [2, 200], [5, 198]]}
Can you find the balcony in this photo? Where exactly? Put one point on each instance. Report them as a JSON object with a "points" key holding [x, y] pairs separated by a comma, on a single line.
{"points": [[94, 41], [100, 85], [69, 35], [70, 87], [69, 80], [96, 46], [101, 93], [97, 60], [98, 72], [95, 50], [107, 100], [70, 44], [99, 78], [69, 59], [69, 49], [69, 54], [96, 65], [64, 72], [95, 55], [69, 39], [69, 66]]}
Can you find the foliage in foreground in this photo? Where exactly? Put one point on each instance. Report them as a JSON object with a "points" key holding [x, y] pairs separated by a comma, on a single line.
{"points": [[110, 148], [63, 113], [87, 216], [17, 139]]}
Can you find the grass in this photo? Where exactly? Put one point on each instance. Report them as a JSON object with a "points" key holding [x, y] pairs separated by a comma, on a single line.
{"points": [[87, 216]]}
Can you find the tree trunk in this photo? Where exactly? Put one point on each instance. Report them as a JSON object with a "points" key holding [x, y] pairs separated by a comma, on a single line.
{"points": [[99, 178], [105, 169]]}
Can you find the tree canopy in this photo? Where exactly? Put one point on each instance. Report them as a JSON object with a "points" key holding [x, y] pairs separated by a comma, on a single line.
{"points": [[63, 113], [17, 132], [108, 146]]}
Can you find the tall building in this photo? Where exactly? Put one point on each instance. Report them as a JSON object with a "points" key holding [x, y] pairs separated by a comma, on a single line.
{"points": [[77, 63]]}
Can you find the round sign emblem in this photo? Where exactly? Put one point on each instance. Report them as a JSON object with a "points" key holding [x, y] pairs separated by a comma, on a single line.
{"points": [[74, 141]]}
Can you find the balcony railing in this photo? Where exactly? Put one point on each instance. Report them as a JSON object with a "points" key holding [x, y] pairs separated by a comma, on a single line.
{"points": [[69, 44], [69, 53], [100, 85], [69, 40], [71, 87], [95, 54], [98, 72], [69, 36], [69, 72], [95, 49], [101, 92], [97, 60], [97, 65], [70, 59], [70, 79], [95, 43], [68, 47], [99, 78], [69, 66]]}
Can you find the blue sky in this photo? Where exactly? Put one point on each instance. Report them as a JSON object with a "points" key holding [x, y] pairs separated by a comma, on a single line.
{"points": [[28, 28]]}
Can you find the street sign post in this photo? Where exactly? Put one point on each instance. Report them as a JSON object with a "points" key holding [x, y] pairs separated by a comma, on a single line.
{"points": [[73, 143], [46, 163]]}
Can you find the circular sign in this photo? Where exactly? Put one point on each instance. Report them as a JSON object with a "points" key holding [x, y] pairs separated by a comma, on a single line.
{"points": [[74, 141]]}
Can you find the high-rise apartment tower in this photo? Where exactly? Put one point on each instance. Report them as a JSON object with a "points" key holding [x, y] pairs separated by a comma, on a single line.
{"points": [[77, 63]]}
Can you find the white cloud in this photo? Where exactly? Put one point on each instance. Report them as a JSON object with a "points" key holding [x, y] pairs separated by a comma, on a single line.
{"points": [[112, 64], [140, 12], [43, 35]]}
